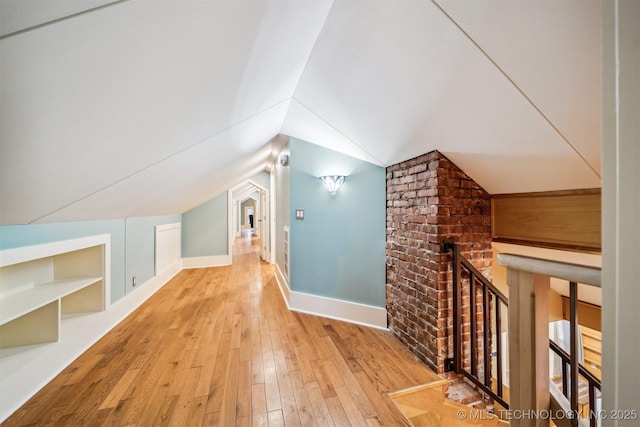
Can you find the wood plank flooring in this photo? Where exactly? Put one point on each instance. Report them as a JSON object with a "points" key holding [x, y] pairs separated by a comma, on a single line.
{"points": [[218, 346]]}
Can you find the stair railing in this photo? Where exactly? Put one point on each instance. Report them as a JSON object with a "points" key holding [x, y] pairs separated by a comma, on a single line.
{"points": [[594, 385], [492, 303], [532, 275]]}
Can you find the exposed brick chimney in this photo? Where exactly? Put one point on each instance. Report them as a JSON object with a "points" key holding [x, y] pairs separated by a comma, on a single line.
{"points": [[430, 199]]}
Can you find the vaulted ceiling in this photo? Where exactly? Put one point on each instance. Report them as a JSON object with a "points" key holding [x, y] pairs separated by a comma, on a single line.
{"points": [[112, 109]]}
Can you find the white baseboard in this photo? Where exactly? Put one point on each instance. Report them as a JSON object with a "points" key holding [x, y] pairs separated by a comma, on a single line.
{"points": [[206, 261], [283, 285], [25, 370], [346, 311]]}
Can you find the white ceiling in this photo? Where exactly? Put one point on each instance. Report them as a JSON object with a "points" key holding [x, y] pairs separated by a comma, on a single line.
{"points": [[124, 108]]}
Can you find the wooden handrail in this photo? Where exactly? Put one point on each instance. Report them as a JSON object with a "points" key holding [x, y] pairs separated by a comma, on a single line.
{"points": [[562, 270]]}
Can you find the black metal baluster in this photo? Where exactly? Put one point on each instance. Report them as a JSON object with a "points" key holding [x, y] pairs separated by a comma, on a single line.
{"points": [[486, 301], [573, 340], [592, 405], [456, 267], [472, 314], [498, 348], [565, 379]]}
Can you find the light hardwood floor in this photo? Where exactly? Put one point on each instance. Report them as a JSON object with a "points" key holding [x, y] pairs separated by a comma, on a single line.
{"points": [[218, 346]]}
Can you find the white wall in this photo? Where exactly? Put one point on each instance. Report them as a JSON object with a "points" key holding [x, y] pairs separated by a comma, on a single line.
{"points": [[621, 210]]}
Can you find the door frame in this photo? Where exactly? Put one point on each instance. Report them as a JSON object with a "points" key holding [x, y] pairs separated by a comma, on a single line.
{"points": [[266, 211], [245, 214], [263, 224]]}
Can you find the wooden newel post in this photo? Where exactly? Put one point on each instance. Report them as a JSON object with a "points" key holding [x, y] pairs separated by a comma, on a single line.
{"points": [[528, 348]]}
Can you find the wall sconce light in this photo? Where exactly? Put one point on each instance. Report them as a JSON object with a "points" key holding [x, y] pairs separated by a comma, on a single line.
{"points": [[333, 182]]}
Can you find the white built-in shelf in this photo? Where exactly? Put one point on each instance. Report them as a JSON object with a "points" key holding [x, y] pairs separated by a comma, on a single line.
{"points": [[21, 303], [41, 284]]}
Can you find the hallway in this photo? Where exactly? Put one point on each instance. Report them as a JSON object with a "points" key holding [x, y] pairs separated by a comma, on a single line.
{"points": [[218, 346]]}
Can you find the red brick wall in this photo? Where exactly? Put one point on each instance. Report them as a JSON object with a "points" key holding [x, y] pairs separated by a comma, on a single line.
{"points": [[430, 199]]}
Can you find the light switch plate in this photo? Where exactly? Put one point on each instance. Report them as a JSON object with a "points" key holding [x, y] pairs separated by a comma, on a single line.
{"points": [[299, 213]]}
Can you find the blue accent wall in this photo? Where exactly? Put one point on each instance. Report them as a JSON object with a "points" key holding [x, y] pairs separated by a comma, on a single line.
{"points": [[338, 250], [204, 229], [132, 244], [140, 247]]}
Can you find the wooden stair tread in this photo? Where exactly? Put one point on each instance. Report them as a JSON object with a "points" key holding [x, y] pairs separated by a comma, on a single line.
{"points": [[425, 406], [428, 419], [440, 384]]}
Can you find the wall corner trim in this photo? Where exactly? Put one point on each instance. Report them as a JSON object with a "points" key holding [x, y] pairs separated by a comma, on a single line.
{"points": [[283, 285]]}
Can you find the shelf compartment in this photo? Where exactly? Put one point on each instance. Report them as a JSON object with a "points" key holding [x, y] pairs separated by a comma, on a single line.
{"points": [[41, 284], [35, 327], [22, 303], [85, 300]]}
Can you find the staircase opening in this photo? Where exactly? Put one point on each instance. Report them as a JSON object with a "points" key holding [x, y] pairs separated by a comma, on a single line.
{"points": [[430, 200], [480, 335]]}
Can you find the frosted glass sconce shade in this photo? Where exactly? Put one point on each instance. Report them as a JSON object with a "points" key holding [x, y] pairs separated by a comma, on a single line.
{"points": [[333, 182]]}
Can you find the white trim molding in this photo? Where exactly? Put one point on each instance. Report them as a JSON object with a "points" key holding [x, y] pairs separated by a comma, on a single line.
{"points": [[346, 311], [43, 250], [230, 231], [168, 246], [206, 261], [283, 285]]}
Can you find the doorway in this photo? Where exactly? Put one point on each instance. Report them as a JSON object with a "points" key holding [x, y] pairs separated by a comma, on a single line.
{"points": [[247, 221], [249, 210]]}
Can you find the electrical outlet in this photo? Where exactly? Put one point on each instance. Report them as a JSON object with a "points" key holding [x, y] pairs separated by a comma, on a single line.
{"points": [[133, 281]]}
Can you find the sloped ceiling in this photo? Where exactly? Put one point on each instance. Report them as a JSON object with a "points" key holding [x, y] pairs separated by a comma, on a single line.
{"points": [[125, 108]]}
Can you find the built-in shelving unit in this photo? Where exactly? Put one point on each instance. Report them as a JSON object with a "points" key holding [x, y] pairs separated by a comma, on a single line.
{"points": [[41, 285]]}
